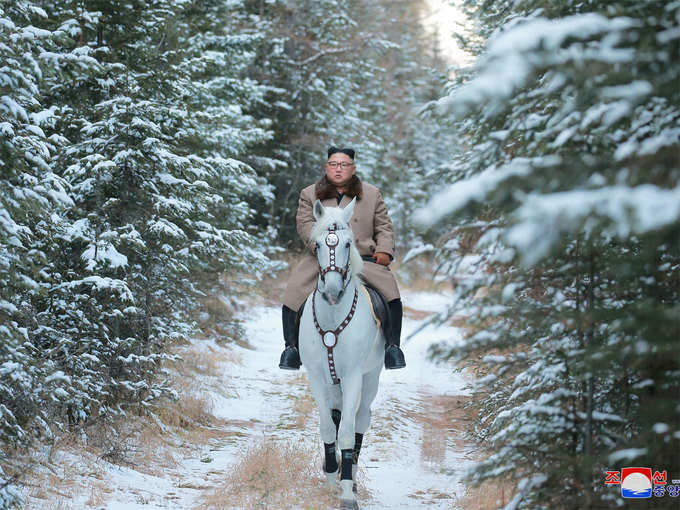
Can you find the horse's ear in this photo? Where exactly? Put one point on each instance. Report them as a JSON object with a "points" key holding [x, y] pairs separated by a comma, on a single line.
{"points": [[347, 211], [318, 209]]}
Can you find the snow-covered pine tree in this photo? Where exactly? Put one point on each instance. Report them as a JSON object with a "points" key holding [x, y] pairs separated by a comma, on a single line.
{"points": [[30, 196], [99, 333], [159, 194], [408, 141], [107, 246], [315, 56], [229, 123], [333, 63], [567, 203]]}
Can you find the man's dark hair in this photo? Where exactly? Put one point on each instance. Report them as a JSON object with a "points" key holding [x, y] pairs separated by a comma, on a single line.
{"points": [[346, 150]]}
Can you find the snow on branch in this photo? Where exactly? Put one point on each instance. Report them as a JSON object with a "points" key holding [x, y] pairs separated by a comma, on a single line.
{"points": [[330, 51], [513, 55], [461, 193], [541, 219]]}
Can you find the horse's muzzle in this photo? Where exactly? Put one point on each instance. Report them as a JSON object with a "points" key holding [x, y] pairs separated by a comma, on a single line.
{"points": [[329, 299]]}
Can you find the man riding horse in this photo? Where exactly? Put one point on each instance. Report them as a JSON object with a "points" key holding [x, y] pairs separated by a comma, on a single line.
{"points": [[372, 230]]}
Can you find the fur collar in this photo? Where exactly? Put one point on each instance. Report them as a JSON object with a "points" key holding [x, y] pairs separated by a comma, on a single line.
{"points": [[324, 189]]}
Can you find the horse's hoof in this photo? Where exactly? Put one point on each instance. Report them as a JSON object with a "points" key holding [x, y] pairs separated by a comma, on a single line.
{"points": [[347, 496], [349, 504], [332, 479]]}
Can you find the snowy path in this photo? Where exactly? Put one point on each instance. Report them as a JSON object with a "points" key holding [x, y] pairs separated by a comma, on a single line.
{"points": [[409, 451], [413, 453]]}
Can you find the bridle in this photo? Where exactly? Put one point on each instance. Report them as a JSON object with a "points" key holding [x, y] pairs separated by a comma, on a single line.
{"points": [[332, 241], [330, 336]]}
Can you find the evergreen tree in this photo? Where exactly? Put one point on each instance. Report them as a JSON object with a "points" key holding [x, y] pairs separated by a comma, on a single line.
{"points": [[566, 206], [350, 74], [120, 202], [148, 146], [30, 195], [159, 197]]}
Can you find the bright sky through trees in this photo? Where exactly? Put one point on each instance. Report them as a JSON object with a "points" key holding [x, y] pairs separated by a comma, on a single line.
{"points": [[444, 17]]}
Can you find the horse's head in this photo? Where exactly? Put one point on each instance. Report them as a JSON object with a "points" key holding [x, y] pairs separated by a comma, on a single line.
{"points": [[338, 258]]}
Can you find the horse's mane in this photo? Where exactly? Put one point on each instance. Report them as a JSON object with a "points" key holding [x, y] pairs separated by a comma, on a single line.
{"points": [[335, 215]]}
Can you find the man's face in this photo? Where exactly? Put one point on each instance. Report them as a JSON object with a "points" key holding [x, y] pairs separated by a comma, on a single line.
{"points": [[340, 175]]}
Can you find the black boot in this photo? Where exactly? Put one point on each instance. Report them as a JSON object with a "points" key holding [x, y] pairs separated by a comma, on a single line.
{"points": [[394, 357], [290, 357]]}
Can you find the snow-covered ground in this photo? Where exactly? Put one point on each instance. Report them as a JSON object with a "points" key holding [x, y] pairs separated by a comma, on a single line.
{"points": [[413, 455]]}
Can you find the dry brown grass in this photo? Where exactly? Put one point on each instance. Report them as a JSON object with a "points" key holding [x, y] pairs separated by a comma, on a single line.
{"points": [[152, 446], [190, 412], [96, 498], [53, 501], [193, 411], [418, 315], [54, 484], [305, 405], [444, 417], [272, 475], [272, 286], [490, 495], [212, 314], [190, 418], [447, 417], [51, 493], [206, 361]]}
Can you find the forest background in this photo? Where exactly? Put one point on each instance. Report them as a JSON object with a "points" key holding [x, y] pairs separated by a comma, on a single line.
{"points": [[148, 146]]}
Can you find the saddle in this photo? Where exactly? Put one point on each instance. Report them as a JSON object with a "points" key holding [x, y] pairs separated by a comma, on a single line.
{"points": [[381, 310]]}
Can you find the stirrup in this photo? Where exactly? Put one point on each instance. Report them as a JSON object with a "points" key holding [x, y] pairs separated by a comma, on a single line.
{"points": [[290, 359], [394, 358]]}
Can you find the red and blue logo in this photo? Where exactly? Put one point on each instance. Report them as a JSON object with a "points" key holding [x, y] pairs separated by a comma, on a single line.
{"points": [[636, 482]]}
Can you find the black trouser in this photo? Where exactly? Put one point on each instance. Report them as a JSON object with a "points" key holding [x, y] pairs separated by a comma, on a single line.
{"points": [[396, 314], [290, 326]]}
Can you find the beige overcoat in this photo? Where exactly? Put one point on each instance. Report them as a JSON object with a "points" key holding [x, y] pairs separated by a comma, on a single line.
{"points": [[372, 229]]}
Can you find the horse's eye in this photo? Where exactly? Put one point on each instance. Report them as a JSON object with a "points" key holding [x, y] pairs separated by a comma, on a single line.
{"points": [[347, 245]]}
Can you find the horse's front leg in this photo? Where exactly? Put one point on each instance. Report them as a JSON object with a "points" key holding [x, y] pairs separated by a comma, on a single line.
{"points": [[326, 426], [369, 389], [351, 398]]}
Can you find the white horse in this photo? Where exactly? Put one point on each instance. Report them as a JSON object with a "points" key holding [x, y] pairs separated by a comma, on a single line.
{"points": [[341, 345]]}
